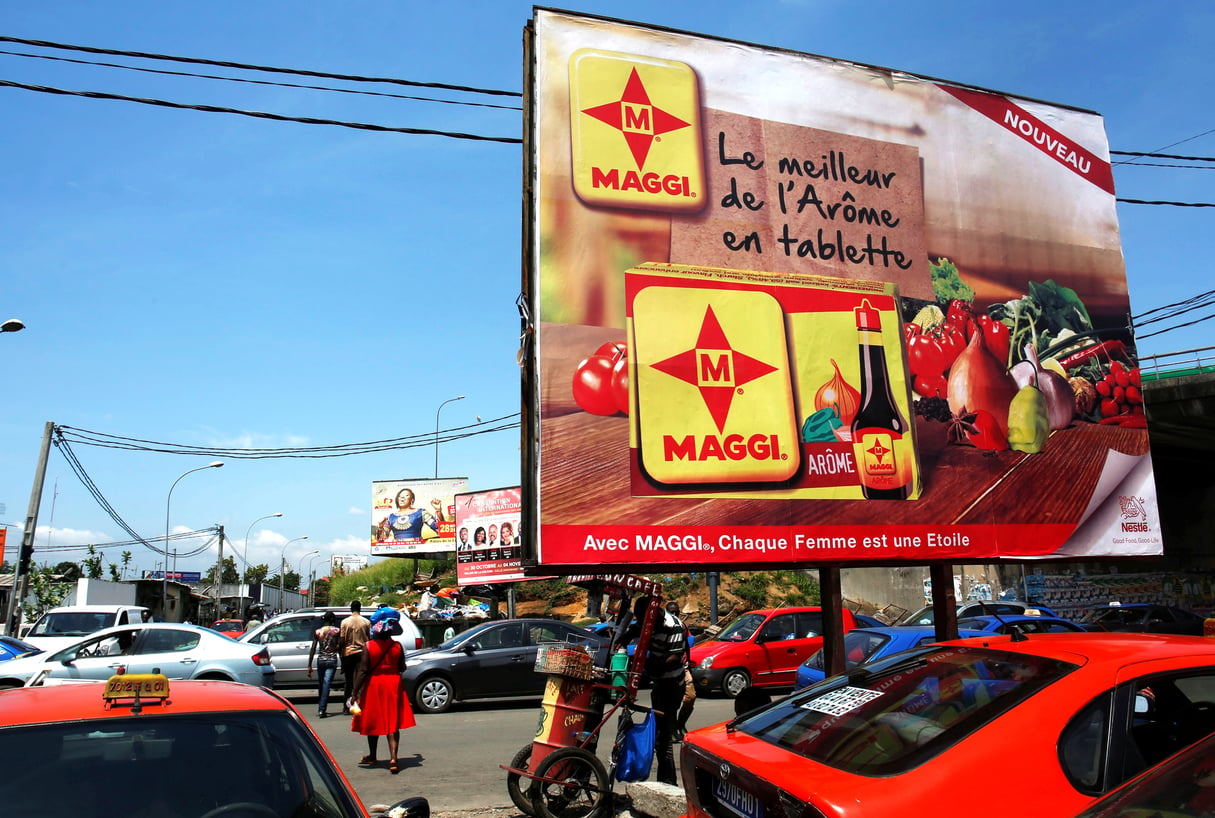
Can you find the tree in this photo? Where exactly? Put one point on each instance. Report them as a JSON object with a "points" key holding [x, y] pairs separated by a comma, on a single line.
{"points": [[92, 563], [126, 563], [256, 574], [46, 591], [69, 571], [228, 576]]}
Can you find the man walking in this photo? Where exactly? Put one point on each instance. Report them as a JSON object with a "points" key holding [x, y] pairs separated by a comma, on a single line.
{"points": [[355, 631]]}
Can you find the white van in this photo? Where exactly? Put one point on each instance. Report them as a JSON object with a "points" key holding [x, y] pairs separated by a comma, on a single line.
{"points": [[60, 627]]}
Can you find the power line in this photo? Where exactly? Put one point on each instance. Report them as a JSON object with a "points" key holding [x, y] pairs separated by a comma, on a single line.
{"points": [[1165, 203], [250, 67], [192, 75], [215, 109]]}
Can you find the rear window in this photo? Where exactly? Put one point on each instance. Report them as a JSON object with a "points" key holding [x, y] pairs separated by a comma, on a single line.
{"points": [[888, 717]]}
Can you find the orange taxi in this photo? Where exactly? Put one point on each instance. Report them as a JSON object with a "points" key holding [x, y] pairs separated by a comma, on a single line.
{"points": [[1050, 722], [140, 746]]}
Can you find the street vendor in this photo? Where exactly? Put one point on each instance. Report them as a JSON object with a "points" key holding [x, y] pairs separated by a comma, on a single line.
{"points": [[665, 662]]}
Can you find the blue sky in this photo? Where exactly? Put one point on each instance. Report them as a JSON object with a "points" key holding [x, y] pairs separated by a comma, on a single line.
{"points": [[220, 281]]}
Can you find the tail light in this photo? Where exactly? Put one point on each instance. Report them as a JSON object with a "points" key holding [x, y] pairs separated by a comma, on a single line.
{"points": [[262, 657], [419, 642]]}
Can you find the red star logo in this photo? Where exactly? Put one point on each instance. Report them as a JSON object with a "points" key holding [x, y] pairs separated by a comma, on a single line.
{"points": [[878, 451], [636, 118], [715, 368]]}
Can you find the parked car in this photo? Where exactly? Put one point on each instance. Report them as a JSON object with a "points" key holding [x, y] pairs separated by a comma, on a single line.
{"points": [[976, 607], [863, 645], [184, 748], [759, 649], [496, 659], [1025, 623], [1144, 617], [1181, 785], [13, 648], [176, 651], [63, 626], [288, 637], [917, 734], [232, 628]]}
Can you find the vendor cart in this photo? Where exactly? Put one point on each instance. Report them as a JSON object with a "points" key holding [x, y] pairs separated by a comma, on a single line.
{"points": [[558, 774]]}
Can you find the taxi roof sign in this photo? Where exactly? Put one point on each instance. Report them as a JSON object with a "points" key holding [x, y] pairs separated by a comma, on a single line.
{"points": [[135, 687]]}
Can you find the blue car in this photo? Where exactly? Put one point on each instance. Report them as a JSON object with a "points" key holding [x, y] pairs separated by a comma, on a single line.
{"points": [[11, 648], [1006, 623], [863, 645]]}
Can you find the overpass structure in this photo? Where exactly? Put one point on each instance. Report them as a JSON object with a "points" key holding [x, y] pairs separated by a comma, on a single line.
{"points": [[1179, 395]]}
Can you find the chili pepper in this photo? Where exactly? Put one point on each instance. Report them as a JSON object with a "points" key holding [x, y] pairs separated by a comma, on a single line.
{"points": [[987, 433], [1126, 421], [1105, 348]]}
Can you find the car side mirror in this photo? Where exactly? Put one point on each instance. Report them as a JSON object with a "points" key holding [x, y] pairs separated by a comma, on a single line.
{"points": [[417, 807], [469, 648]]}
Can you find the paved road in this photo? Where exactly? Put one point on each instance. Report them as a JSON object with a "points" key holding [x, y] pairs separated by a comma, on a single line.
{"points": [[453, 758]]}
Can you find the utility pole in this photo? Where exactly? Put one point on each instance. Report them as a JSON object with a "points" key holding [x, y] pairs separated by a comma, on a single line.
{"points": [[219, 574], [21, 576]]}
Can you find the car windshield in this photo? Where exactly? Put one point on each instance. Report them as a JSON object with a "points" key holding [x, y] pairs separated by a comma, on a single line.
{"points": [[741, 629], [136, 767], [887, 717], [1120, 616], [73, 623]]}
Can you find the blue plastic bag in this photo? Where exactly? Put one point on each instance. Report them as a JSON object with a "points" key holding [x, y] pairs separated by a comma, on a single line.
{"points": [[636, 749]]}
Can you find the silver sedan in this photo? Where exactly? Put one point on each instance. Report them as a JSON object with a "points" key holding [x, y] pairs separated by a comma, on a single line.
{"points": [[177, 651]]}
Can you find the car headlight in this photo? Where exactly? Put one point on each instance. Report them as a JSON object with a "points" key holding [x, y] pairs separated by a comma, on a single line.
{"points": [[706, 663]]}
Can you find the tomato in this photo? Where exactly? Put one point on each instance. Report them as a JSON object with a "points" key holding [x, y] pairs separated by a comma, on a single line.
{"points": [[613, 349], [593, 385], [925, 356], [620, 384], [931, 387]]}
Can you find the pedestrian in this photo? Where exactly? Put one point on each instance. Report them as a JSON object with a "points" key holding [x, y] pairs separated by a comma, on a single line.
{"points": [[689, 686], [665, 664], [355, 631], [382, 706], [325, 645]]}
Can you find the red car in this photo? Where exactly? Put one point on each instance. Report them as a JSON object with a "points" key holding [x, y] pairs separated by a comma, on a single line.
{"points": [[759, 649], [934, 731], [229, 627], [139, 745]]}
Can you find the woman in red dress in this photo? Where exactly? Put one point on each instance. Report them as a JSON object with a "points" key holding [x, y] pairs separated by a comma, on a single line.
{"points": [[380, 693]]}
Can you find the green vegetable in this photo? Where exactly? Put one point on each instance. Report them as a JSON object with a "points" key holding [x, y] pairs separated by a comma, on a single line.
{"points": [[928, 317], [946, 282], [1047, 313], [1028, 420]]}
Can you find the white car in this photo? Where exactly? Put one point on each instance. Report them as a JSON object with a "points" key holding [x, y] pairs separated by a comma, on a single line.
{"points": [[67, 625], [176, 651], [288, 637]]}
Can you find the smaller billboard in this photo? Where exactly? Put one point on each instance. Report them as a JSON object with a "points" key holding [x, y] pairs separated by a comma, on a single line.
{"points": [[414, 516], [340, 564], [487, 536]]}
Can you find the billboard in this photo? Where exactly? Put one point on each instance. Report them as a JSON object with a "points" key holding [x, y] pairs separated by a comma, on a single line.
{"points": [[488, 546], [786, 308], [414, 517], [340, 564]]}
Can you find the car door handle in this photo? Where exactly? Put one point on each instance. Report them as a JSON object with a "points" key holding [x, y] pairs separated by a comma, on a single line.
{"points": [[518, 658]]}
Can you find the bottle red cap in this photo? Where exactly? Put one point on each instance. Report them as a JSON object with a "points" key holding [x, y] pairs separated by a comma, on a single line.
{"points": [[867, 317]]}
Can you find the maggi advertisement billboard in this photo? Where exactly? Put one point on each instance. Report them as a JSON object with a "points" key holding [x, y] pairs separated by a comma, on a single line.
{"points": [[787, 308]]}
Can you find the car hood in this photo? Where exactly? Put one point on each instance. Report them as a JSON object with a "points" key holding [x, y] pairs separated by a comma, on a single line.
{"points": [[51, 643], [703, 650]]}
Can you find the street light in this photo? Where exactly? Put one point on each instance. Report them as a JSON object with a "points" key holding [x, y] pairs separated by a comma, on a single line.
{"points": [[165, 585], [245, 557], [315, 554], [437, 411], [282, 570], [12, 325]]}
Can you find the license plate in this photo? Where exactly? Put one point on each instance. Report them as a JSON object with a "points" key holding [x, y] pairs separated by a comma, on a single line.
{"points": [[736, 800]]}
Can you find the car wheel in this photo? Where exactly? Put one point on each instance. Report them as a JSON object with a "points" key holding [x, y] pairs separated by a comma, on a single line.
{"points": [[434, 695], [735, 682]]}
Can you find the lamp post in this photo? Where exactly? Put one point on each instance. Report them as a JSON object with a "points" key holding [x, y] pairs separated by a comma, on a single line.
{"points": [[245, 557], [437, 411], [165, 585], [315, 554], [12, 325], [282, 569]]}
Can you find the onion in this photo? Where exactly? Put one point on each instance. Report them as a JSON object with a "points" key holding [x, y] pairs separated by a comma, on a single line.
{"points": [[979, 382], [839, 395]]}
